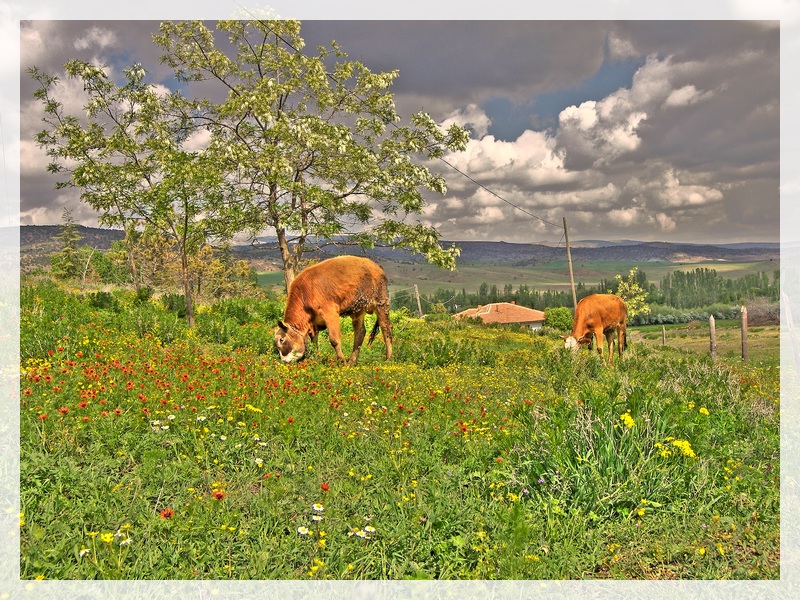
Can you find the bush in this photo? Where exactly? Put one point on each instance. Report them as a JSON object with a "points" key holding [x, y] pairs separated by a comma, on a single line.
{"points": [[559, 318], [103, 301], [667, 315], [175, 303], [143, 295]]}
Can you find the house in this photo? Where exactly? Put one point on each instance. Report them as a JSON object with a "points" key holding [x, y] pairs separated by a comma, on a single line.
{"points": [[505, 313]]}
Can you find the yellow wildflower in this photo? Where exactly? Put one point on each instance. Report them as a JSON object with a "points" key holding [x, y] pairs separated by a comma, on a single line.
{"points": [[627, 419]]}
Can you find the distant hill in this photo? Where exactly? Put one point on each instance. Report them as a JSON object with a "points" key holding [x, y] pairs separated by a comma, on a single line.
{"points": [[38, 242]]}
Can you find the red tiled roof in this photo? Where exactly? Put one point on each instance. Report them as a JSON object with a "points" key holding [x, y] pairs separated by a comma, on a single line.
{"points": [[503, 312]]}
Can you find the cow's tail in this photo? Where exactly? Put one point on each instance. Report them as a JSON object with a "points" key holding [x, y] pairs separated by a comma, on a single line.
{"points": [[373, 333]]}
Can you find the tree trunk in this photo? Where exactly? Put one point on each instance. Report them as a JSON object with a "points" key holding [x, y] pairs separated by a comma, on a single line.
{"points": [[129, 244], [187, 288], [289, 259]]}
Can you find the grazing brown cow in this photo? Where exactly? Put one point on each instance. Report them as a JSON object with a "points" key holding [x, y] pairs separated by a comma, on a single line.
{"points": [[599, 315], [347, 286]]}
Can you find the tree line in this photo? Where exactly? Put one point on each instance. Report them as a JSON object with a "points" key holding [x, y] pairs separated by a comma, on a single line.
{"points": [[687, 291]]}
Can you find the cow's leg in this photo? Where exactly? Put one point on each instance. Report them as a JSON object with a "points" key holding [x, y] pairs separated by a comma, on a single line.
{"points": [[385, 324], [335, 334], [610, 341], [359, 333], [598, 339]]}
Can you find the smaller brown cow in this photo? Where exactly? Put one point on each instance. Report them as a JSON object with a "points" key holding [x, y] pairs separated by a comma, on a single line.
{"points": [[599, 315], [344, 286]]}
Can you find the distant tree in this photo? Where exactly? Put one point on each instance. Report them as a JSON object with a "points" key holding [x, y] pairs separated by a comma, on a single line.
{"points": [[313, 141], [220, 275], [66, 263], [630, 290]]}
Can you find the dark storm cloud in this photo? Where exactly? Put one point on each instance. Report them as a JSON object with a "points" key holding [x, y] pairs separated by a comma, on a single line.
{"points": [[667, 130]]}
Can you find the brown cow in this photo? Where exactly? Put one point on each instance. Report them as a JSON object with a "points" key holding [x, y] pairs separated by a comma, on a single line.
{"points": [[599, 315], [348, 286]]}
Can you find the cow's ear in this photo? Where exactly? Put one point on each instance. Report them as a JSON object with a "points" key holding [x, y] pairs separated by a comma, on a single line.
{"points": [[282, 326]]}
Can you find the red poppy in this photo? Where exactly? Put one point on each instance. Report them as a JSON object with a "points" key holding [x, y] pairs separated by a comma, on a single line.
{"points": [[167, 513], [63, 410], [218, 494], [325, 487], [291, 419], [42, 416]]}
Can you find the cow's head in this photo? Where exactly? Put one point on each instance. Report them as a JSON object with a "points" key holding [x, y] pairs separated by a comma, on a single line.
{"points": [[291, 344], [572, 343]]}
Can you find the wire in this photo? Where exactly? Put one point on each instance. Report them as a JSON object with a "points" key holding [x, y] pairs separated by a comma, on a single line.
{"points": [[519, 208]]}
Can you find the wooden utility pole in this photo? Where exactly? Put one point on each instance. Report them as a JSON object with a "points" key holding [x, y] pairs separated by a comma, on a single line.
{"points": [[569, 260]]}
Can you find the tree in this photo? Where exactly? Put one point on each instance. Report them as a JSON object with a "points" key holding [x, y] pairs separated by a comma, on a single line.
{"points": [[130, 158], [65, 263], [558, 318], [313, 142], [632, 293]]}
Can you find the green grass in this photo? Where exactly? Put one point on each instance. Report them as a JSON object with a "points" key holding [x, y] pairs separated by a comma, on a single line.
{"points": [[763, 342], [152, 451]]}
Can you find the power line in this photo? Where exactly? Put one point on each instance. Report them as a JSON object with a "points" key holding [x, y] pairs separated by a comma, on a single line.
{"points": [[519, 208]]}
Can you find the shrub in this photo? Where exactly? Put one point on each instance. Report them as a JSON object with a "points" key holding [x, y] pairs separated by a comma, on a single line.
{"points": [[103, 301], [143, 295], [175, 303], [559, 318]]}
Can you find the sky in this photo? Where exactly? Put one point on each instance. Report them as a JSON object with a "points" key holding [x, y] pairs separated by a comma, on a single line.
{"points": [[630, 129]]}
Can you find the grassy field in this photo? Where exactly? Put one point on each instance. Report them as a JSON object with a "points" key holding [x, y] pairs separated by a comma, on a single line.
{"points": [[152, 451], [553, 275], [763, 342]]}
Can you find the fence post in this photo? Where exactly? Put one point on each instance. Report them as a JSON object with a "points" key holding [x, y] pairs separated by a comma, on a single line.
{"points": [[713, 332], [663, 335], [419, 304], [744, 333]]}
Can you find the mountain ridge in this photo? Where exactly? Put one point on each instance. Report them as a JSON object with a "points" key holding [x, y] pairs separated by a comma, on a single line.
{"points": [[37, 242]]}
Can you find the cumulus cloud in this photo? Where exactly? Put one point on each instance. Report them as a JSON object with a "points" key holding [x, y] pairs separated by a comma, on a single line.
{"points": [[596, 133], [532, 160], [471, 117], [664, 191], [685, 96], [96, 37], [620, 47]]}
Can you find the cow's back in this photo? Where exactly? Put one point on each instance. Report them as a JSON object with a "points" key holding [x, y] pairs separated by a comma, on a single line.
{"points": [[606, 310], [349, 282]]}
